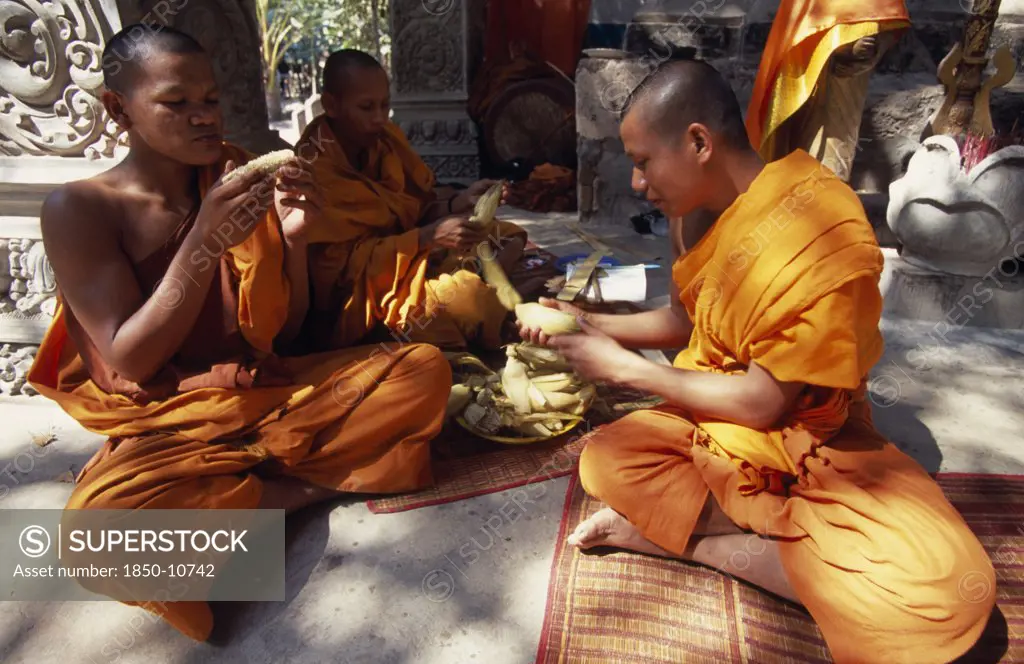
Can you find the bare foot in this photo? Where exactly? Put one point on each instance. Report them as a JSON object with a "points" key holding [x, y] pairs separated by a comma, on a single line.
{"points": [[609, 528]]}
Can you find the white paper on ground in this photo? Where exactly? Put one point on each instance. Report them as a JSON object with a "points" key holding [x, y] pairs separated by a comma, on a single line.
{"points": [[626, 283]]}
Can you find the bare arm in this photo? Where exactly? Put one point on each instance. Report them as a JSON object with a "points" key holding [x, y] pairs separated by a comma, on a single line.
{"points": [[668, 327], [754, 399], [136, 333]]}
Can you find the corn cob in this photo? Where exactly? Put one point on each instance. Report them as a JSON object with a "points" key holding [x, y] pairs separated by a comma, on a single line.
{"points": [[267, 165], [539, 358]]}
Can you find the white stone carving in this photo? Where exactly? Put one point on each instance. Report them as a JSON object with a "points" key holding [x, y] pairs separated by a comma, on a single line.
{"points": [[15, 362], [28, 290], [51, 77], [958, 223]]}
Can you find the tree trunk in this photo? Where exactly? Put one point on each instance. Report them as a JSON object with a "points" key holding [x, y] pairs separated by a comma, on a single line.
{"points": [[274, 99], [375, 22]]}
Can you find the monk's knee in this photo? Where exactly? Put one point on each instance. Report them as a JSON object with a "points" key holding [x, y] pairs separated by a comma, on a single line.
{"points": [[426, 366], [597, 468], [92, 494], [428, 360]]}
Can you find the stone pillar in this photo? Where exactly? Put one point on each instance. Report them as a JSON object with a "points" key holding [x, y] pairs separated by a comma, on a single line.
{"points": [[53, 128], [436, 49]]}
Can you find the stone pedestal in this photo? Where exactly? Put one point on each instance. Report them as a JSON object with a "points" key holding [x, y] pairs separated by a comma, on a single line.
{"points": [[995, 299], [437, 48], [53, 128]]}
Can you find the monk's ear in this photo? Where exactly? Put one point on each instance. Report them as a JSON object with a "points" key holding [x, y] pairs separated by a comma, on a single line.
{"points": [[703, 144], [330, 104], [113, 102]]}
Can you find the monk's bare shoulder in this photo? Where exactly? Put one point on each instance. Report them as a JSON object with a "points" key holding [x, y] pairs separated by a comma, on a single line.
{"points": [[85, 210]]}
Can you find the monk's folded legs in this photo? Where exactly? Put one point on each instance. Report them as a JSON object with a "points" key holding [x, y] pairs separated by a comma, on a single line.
{"points": [[618, 456], [867, 541]]}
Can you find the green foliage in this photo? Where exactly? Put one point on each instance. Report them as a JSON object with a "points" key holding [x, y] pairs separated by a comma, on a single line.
{"points": [[328, 25]]}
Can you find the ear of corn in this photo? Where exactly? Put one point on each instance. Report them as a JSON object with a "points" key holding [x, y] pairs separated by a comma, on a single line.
{"points": [[549, 321], [539, 358], [487, 205], [491, 271], [267, 164]]}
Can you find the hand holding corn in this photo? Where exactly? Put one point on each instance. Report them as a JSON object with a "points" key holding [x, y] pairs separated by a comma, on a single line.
{"points": [[597, 357], [244, 193], [539, 322]]}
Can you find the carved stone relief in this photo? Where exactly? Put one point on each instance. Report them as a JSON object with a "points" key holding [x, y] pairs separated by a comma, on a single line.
{"points": [[441, 133], [32, 287], [430, 52], [454, 167], [15, 362], [50, 78]]}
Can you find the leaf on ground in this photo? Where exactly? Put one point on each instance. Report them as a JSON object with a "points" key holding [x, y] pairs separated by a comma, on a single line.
{"points": [[44, 439], [67, 477]]}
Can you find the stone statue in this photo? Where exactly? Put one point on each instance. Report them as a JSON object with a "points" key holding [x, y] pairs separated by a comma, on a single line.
{"points": [[828, 125]]}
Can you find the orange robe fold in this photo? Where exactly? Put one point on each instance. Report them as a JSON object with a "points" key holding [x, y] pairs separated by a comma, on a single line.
{"points": [[225, 413], [804, 35], [788, 277], [366, 263]]}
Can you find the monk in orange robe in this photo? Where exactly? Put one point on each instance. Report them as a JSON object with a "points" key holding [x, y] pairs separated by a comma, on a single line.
{"points": [[392, 253], [764, 461], [175, 288]]}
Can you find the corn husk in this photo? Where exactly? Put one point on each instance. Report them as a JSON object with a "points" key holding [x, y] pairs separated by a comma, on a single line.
{"points": [[485, 419], [458, 399], [561, 401], [539, 358], [516, 385], [491, 271], [549, 321], [267, 165]]}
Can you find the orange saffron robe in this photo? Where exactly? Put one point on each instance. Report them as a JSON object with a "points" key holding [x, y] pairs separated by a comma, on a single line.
{"points": [[366, 263], [193, 436], [804, 35], [787, 277]]}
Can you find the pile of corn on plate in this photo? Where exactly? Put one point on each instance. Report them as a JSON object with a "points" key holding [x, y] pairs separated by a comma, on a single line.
{"points": [[535, 397]]}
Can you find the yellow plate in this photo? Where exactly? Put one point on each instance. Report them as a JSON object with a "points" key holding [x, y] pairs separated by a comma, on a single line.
{"points": [[514, 441]]}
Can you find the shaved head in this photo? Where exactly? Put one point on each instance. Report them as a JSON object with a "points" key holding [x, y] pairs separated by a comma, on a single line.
{"points": [[127, 50], [680, 93], [341, 63]]}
